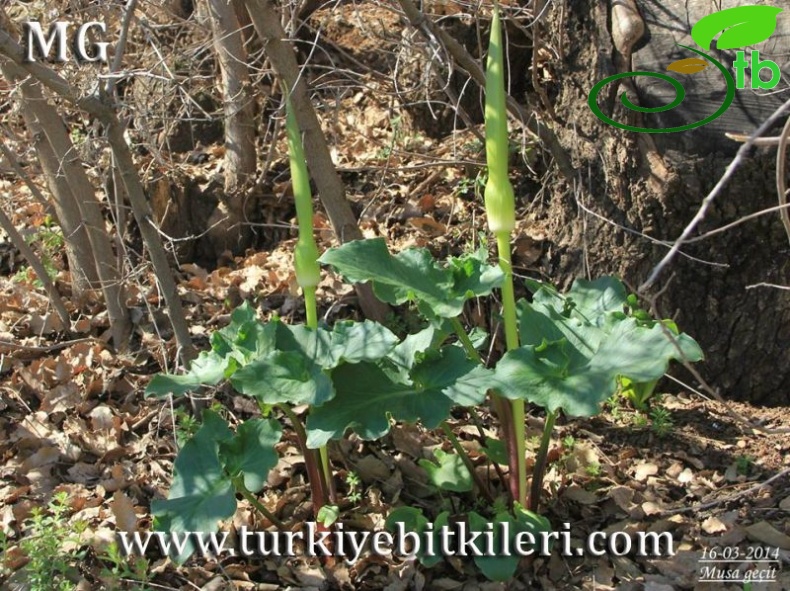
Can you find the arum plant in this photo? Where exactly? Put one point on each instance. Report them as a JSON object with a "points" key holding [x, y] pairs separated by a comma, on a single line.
{"points": [[307, 269], [501, 213], [565, 353]]}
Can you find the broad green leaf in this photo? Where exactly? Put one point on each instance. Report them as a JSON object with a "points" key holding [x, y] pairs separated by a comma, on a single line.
{"points": [[347, 342], [284, 377], [479, 337], [201, 494], [208, 369], [413, 275], [366, 396], [449, 473], [576, 345], [413, 520], [496, 451], [739, 26], [251, 453], [243, 340], [473, 276], [406, 353], [353, 342], [502, 567], [328, 514], [246, 338], [577, 378]]}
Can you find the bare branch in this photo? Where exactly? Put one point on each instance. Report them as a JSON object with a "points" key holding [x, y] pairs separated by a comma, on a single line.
{"points": [[706, 203]]}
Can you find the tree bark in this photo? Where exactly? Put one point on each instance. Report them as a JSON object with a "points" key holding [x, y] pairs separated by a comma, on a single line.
{"points": [[240, 155], [641, 190]]}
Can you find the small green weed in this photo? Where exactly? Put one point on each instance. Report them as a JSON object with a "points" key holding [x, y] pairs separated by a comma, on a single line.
{"points": [[661, 421], [743, 464], [123, 569], [186, 426], [48, 531], [354, 484], [593, 470]]}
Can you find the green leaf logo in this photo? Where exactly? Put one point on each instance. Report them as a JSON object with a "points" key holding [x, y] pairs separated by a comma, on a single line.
{"points": [[739, 26]]}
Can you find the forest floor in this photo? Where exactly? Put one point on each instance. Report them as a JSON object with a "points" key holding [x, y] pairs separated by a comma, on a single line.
{"points": [[75, 426]]}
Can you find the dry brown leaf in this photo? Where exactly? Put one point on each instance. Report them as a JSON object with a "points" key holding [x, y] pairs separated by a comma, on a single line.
{"points": [[123, 510], [43, 457], [651, 508], [580, 495], [428, 226], [713, 525], [371, 469], [686, 476], [623, 497], [645, 469]]}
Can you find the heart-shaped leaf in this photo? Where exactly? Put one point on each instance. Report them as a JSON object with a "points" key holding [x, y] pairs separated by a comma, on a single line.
{"points": [[347, 342], [250, 453], [208, 369], [246, 337], [413, 275], [284, 377], [201, 494], [586, 342], [502, 567], [367, 395], [411, 519], [449, 473], [739, 26]]}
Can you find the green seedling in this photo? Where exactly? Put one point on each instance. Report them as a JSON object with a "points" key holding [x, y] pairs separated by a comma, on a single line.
{"points": [[354, 485], [640, 393], [47, 531], [123, 568], [743, 464], [661, 422]]}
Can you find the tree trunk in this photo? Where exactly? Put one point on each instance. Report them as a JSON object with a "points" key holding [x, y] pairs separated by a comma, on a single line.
{"points": [[654, 185], [76, 199], [239, 107]]}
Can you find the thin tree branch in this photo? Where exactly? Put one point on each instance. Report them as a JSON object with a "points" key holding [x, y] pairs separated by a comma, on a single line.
{"points": [[472, 67], [708, 201]]}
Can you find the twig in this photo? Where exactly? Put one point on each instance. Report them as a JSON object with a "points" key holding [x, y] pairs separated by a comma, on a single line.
{"points": [[772, 285], [472, 67], [781, 185], [760, 141], [727, 499], [706, 203], [34, 261], [48, 348], [120, 47], [643, 235], [738, 222]]}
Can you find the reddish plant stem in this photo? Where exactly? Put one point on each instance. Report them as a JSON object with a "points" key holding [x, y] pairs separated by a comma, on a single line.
{"points": [[312, 461]]}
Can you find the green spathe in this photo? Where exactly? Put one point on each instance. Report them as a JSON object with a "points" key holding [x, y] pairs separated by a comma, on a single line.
{"points": [[499, 197]]}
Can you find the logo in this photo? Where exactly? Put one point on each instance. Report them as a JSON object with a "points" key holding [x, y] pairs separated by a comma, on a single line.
{"points": [[739, 27]]}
